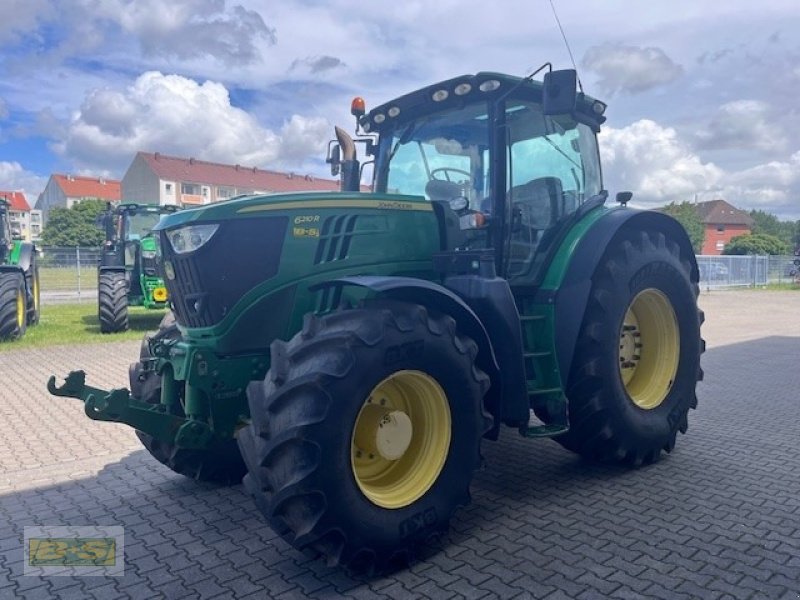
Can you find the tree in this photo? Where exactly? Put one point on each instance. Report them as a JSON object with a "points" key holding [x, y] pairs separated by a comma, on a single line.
{"points": [[769, 224], [74, 226], [756, 243], [686, 214]]}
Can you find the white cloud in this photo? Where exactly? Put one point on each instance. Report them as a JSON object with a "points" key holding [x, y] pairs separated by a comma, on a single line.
{"points": [[743, 125], [659, 167], [15, 178], [630, 69], [177, 115], [655, 164], [19, 17]]}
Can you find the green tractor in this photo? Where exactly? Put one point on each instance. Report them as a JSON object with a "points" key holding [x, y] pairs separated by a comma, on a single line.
{"points": [[19, 280], [128, 272], [347, 353]]}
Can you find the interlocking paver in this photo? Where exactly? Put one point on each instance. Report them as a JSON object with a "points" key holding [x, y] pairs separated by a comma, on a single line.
{"points": [[719, 518]]}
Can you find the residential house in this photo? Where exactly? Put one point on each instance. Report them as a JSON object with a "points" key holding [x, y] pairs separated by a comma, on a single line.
{"points": [[156, 178], [20, 214], [66, 190], [722, 222]]}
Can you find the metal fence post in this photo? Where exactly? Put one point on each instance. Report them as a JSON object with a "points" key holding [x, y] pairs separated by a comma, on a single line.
{"points": [[78, 259]]}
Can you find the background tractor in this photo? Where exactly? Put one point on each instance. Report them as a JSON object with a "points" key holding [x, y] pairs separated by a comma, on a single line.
{"points": [[128, 273], [19, 280], [348, 352]]}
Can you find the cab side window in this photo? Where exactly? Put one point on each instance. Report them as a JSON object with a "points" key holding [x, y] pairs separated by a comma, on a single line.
{"points": [[549, 177]]}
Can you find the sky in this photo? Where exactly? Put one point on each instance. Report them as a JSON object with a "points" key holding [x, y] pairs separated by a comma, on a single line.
{"points": [[703, 97]]}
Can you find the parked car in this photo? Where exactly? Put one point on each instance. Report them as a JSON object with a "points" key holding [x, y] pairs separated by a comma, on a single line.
{"points": [[712, 270]]}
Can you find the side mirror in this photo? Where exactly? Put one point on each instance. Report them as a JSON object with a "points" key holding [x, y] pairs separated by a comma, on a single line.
{"points": [[334, 158], [560, 92]]}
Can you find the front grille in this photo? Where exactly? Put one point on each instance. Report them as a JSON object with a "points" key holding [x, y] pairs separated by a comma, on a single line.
{"points": [[210, 281]]}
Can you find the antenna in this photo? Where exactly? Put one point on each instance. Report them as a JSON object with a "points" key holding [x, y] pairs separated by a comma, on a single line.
{"points": [[566, 43]]}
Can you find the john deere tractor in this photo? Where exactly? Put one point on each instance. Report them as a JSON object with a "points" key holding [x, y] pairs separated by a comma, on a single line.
{"points": [[128, 272], [19, 280], [348, 353]]}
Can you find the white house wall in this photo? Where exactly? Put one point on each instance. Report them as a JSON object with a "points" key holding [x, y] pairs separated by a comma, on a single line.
{"points": [[140, 184]]}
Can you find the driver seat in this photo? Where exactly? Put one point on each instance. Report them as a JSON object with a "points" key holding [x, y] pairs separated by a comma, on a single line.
{"points": [[440, 189]]}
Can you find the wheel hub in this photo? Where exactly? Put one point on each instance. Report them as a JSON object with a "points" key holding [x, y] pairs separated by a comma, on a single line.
{"points": [[649, 348], [401, 438], [384, 432]]}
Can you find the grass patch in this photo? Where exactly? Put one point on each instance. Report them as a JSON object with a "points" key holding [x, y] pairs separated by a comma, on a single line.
{"points": [[786, 287], [68, 324]]}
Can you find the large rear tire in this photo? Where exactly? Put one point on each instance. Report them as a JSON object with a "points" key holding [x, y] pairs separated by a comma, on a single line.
{"points": [[637, 360], [221, 463], [112, 302], [13, 316], [366, 432]]}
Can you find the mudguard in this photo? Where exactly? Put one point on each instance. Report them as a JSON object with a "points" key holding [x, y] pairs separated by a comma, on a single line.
{"points": [[433, 295], [572, 295], [26, 254]]}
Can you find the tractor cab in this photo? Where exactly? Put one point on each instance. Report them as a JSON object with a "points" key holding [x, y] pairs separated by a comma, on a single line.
{"points": [[513, 160]]}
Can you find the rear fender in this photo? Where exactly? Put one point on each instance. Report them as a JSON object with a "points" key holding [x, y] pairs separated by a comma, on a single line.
{"points": [[572, 295]]}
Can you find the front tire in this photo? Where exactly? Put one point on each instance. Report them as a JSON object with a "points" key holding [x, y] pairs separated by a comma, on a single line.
{"points": [[366, 432], [221, 463], [13, 315], [112, 302], [637, 361]]}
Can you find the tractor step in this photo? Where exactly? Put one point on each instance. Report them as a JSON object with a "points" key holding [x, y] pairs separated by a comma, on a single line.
{"points": [[543, 431]]}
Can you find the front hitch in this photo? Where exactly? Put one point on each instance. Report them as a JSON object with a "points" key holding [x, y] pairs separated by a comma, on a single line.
{"points": [[118, 406]]}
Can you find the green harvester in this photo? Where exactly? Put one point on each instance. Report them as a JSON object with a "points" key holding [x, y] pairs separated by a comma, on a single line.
{"points": [[346, 354], [19, 280]]}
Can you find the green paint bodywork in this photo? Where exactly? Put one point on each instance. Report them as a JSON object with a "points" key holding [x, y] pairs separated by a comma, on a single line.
{"points": [[149, 283], [210, 367], [16, 251]]}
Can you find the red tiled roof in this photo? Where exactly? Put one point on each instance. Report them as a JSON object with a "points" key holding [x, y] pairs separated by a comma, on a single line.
{"points": [[17, 200], [190, 170], [719, 212], [76, 186]]}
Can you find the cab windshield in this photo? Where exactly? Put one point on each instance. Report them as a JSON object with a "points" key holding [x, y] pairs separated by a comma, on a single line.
{"points": [[138, 225], [440, 156]]}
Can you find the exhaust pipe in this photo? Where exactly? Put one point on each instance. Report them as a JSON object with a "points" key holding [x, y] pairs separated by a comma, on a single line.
{"points": [[351, 169]]}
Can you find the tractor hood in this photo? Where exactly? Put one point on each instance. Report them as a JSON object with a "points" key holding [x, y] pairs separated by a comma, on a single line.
{"points": [[257, 205], [229, 264]]}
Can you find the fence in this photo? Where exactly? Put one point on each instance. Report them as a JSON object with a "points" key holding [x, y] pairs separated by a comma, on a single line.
{"points": [[68, 274], [740, 271]]}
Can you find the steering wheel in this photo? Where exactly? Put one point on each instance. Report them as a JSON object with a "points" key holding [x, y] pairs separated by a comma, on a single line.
{"points": [[447, 170]]}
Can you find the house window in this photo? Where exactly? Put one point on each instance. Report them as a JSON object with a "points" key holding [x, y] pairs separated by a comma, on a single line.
{"points": [[168, 188], [720, 246], [721, 228], [225, 192], [190, 189]]}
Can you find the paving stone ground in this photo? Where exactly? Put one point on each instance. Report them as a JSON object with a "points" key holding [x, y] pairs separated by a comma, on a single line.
{"points": [[718, 518]]}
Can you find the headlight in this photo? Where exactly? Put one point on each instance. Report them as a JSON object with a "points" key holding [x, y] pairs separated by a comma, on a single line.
{"points": [[149, 254], [191, 237]]}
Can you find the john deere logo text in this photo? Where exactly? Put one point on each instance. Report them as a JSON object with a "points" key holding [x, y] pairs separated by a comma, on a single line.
{"points": [[396, 205]]}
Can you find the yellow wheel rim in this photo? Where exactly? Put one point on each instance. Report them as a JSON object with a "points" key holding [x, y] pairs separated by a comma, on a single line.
{"points": [[20, 309], [649, 348], [401, 439]]}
